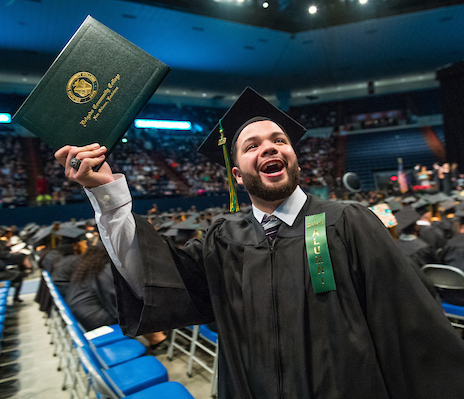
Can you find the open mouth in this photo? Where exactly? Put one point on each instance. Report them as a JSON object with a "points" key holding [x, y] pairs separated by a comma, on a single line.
{"points": [[272, 167]]}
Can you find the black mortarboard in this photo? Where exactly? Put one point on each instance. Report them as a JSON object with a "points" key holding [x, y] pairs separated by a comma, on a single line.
{"points": [[447, 205], [71, 232], [422, 206], [436, 198], [248, 106], [406, 217], [408, 200], [44, 233], [394, 203]]}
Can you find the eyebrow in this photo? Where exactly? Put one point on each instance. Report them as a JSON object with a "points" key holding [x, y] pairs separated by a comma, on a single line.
{"points": [[255, 137]]}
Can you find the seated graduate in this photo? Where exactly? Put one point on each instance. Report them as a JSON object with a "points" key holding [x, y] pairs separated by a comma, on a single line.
{"points": [[453, 255], [416, 251], [432, 235], [13, 265], [64, 269], [446, 210], [413, 247], [57, 252], [91, 294], [312, 299]]}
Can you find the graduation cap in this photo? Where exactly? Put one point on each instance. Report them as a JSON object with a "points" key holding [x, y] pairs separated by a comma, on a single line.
{"points": [[408, 200], [421, 206], [44, 233], [436, 198], [71, 233], [250, 107], [394, 203], [385, 214], [447, 205], [406, 217]]}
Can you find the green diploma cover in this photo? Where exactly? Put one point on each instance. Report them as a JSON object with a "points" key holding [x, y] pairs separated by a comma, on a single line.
{"points": [[93, 90]]}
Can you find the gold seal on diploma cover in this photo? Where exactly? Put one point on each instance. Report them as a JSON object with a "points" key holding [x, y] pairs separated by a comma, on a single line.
{"points": [[82, 87]]}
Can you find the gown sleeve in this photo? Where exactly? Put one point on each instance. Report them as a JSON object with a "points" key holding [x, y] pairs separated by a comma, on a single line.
{"points": [[175, 292], [420, 354]]}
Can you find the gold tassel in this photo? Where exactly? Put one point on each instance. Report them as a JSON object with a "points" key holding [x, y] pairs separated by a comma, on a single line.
{"points": [[232, 192]]}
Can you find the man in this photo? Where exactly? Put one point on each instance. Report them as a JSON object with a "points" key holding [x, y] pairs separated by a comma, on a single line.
{"points": [[453, 255], [413, 247], [416, 250], [432, 235], [322, 309]]}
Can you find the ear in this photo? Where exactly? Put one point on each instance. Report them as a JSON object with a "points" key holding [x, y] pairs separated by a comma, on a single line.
{"points": [[238, 175]]}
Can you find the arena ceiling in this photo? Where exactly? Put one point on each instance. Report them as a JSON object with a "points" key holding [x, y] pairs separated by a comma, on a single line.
{"points": [[216, 48]]}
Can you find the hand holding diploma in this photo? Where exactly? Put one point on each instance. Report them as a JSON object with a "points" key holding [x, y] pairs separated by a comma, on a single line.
{"points": [[80, 161]]}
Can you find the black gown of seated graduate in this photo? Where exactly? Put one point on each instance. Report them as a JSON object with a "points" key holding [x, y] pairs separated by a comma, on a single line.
{"points": [[380, 334], [93, 301], [453, 255]]}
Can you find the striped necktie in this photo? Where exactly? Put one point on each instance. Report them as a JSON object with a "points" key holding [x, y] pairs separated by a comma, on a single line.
{"points": [[271, 224]]}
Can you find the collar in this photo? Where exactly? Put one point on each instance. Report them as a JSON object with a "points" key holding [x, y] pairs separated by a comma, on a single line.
{"points": [[288, 210]]}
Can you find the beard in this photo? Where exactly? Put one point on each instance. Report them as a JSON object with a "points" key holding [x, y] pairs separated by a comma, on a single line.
{"points": [[255, 186]]}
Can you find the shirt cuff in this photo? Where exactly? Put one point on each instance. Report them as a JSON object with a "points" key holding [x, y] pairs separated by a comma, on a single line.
{"points": [[111, 195]]}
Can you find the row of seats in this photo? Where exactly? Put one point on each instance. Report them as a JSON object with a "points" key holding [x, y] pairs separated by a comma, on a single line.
{"points": [[104, 360], [197, 337]]}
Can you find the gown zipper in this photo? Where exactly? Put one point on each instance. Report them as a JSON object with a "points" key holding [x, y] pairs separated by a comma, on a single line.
{"points": [[276, 329]]}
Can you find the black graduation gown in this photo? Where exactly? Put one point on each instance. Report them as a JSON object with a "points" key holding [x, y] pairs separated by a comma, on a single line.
{"points": [[453, 255], [418, 250], [446, 226], [63, 272], [379, 335], [432, 236], [93, 301], [419, 253], [453, 251]]}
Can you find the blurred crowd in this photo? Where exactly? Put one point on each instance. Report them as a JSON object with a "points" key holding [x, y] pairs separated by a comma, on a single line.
{"points": [[13, 175], [155, 165], [165, 163]]}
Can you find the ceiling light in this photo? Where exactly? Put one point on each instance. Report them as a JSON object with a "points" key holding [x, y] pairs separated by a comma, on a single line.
{"points": [[161, 124], [5, 117], [265, 4], [312, 10], [362, 1]]}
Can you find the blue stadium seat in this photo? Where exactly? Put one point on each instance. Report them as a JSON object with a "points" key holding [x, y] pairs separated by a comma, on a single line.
{"points": [[165, 390], [123, 379]]}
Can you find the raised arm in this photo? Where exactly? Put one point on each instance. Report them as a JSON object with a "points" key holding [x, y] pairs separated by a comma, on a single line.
{"points": [[112, 203]]}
